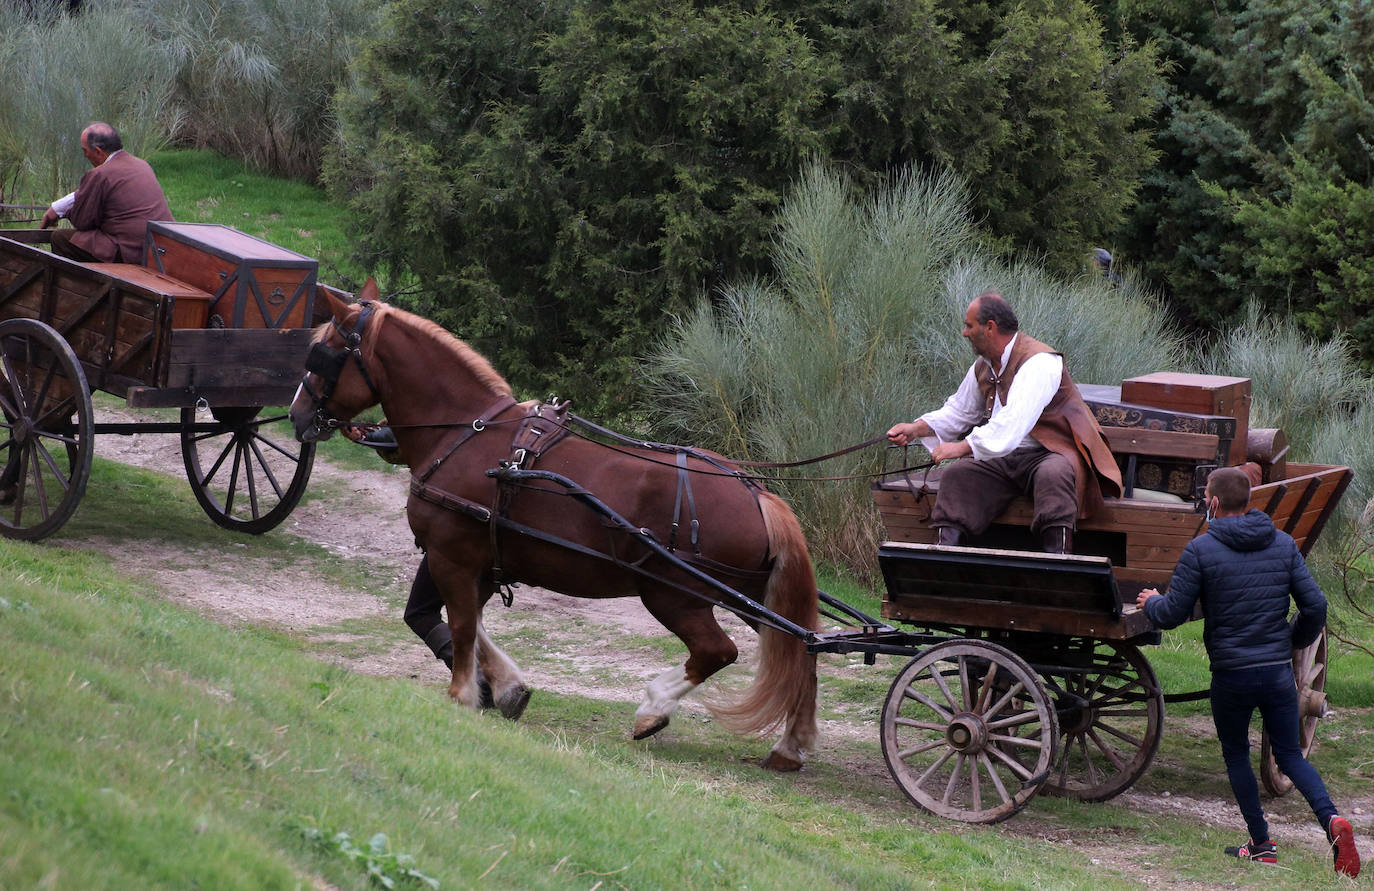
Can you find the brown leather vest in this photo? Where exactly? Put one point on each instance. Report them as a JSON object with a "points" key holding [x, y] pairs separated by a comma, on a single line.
{"points": [[1066, 426]]}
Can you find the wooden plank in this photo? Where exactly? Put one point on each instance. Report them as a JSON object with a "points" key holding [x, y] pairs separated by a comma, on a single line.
{"points": [[187, 397], [238, 357], [1161, 443], [1015, 617]]}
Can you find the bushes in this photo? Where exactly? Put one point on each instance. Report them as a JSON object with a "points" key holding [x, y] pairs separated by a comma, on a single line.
{"points": [[62, 72], [861, 329]]}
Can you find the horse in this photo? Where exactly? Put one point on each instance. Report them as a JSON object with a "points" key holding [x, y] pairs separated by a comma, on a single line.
{"points": [[485, 523]]}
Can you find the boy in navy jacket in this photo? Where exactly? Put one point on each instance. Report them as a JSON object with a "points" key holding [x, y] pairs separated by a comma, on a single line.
{"points": [[1244, 571]]}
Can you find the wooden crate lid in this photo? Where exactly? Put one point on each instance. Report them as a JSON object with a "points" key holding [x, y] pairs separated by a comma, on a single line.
{"points": [[150, 280], [1184, 380], [228, 242]]}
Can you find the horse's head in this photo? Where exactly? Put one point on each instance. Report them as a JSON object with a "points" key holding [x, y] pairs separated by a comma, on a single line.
{"points": [[337, 383]]}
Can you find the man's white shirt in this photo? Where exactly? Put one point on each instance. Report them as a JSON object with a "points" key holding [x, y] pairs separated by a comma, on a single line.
{"points": [[1010, 425]]}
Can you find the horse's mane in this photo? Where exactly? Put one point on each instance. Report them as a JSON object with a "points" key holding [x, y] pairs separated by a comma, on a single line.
{"points": [[474, 361]]}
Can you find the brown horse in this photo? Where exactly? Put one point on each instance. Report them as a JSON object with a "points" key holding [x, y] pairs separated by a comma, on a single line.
{"points": [[455, 419]]}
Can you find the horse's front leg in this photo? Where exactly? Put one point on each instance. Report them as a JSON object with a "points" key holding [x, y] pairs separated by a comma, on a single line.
{"points": [[508, 690], [463, 605]]}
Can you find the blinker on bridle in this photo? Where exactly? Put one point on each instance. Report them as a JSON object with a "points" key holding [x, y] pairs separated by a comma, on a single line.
{"points": [[327, 363]]}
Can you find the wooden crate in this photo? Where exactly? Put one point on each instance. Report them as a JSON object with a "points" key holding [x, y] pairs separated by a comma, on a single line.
{"points": [[1204, 394], [253, 283], [190, 305]]}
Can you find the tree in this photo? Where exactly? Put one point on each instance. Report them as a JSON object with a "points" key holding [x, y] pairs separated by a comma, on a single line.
{"points": [[560, 178], [1263, 191]]}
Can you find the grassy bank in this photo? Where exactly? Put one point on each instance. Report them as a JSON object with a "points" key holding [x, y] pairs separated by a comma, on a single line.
{"points": [[148, 747]]}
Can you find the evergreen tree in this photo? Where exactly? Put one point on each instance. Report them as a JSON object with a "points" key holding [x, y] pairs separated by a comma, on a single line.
{"points": [[561, 177]]}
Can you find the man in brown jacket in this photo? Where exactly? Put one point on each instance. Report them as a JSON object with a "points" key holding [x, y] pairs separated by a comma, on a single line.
{"points": [[111, 208], [1022, 424]]}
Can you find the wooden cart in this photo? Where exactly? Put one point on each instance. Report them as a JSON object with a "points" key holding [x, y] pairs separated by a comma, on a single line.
{"points": [[68, 329], [1047, 684]]}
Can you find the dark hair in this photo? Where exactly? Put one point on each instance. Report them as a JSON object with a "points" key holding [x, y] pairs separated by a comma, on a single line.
{"points": [[104, 137], [1230, 486], [992, 308]]}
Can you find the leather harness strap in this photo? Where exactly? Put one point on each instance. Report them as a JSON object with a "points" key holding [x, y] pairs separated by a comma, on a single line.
{"points": [[467, 432]]}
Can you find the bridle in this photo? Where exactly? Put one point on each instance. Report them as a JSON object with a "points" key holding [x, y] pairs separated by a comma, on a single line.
{"points": [[327, 363]]}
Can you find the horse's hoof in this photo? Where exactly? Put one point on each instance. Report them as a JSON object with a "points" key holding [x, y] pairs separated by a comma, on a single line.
{"points": [[647, 725], [513, 701], [776, 761]]}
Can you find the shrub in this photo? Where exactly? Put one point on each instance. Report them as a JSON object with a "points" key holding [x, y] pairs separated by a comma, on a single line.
{"points": [[860, 329], [63, 71]]}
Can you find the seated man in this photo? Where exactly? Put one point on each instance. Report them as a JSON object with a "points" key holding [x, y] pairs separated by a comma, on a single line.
{"points": [[1020, 420], [111, 208]]}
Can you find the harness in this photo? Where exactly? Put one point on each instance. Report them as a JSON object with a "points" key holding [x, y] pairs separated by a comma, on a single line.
{"points": [[542, 427]]}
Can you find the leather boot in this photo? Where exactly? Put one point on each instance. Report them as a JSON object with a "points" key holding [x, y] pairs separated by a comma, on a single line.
{"points": [[1056, 540], [949, 536], [440, 642]]}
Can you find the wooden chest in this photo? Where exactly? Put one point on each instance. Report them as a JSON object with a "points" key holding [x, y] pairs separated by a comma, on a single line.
{"points": [[190, 305], [1204, 394], [253, 283]]}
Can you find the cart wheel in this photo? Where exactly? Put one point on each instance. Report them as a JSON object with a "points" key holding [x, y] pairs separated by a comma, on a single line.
{"points": [[243, 479], [47, 432], [1309, 672], [1111, 716], [968, 732]]}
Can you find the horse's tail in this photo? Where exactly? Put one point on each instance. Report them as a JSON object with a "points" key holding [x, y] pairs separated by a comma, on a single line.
{"points": [[784, 686]]}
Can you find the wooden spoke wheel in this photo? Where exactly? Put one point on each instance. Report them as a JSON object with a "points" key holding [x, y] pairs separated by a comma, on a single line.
{"points": [[47, 436], [1309, 673], [248, 472], [1111, 716], [968, 731]]}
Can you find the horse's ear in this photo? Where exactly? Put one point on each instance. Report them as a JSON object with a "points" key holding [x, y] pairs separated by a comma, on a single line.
{"points": [[337, 308], [369, 291]]}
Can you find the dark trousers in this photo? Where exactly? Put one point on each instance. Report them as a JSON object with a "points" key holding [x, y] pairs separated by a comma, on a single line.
{"points": [[1235, 696], [63, 247], [423, 608], [973, 493]]}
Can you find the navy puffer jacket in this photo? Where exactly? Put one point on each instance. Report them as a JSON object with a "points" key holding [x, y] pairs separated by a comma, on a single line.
{"points": [[1244, 570]]}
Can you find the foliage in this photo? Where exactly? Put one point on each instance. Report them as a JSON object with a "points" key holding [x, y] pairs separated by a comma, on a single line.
{"points": [[254, 78], [1263, 187], [382, 865], [61, 72], [561, 177], [861, 330]]}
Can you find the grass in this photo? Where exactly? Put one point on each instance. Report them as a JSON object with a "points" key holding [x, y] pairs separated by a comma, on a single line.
{"points": [[149, 747]]}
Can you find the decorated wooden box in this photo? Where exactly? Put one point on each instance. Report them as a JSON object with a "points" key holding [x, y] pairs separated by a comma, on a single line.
{"points": [[1107, 406], [252, 283], [1204, 394]]}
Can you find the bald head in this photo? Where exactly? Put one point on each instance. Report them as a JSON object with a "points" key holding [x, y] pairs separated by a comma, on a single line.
{"points": [[98, 141]]}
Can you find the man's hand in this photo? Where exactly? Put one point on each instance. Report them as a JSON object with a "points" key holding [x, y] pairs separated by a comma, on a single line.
{"points": [[1144, 596], [903, 434], [50, 219], [947, 451]]}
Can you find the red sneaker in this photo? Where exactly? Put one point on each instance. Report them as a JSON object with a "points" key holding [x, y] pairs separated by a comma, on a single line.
{"points": [[1342, 838]]}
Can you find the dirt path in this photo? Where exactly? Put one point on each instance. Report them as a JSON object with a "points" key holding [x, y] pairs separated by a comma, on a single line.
{"points": [[363, 518]]}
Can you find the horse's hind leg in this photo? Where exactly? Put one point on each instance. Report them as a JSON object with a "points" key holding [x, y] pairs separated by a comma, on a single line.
{"points": [[709, 649]]}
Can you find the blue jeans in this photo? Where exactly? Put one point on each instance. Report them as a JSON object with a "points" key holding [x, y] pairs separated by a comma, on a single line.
{"points": [[1235, 696]]}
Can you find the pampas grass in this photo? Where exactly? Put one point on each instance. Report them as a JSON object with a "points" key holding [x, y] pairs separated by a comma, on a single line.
{"points": [[861, 328]]}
